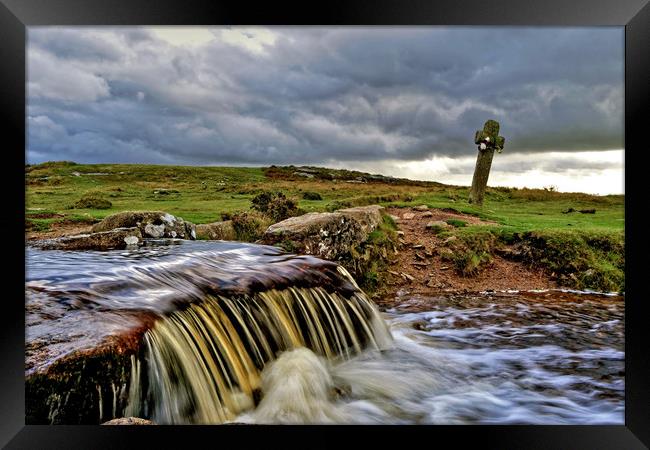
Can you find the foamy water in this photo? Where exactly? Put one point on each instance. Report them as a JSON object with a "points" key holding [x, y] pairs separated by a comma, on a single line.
{"points": [[548, 357], [483, 360]]}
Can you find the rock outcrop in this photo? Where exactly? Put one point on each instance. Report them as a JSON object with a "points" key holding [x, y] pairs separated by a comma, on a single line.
{"points": [[223, 231], [118, 238], [326, 235], [152, 224], [357, 238]]}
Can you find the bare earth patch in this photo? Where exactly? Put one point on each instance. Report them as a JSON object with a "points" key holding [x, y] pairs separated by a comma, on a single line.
{"points": [[419, 270]]}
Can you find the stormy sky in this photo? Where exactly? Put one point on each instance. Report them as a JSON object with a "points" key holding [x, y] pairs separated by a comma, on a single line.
{"points": [[403, 101]]}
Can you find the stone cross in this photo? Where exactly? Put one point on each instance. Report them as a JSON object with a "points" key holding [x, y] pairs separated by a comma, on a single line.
{"points": [[488, 140]]}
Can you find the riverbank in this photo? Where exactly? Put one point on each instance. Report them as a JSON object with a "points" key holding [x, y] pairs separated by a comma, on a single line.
{"points": [[520, 239]]}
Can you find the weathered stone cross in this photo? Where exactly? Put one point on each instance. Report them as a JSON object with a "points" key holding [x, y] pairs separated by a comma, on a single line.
{"points": [[488, 141]]}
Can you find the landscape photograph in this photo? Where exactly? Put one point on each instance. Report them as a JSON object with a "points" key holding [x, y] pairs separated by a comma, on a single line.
{"points": [[323, 225]]}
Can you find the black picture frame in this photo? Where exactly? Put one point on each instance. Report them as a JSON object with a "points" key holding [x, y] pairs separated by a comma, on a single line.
{"points": [[16, 15]]}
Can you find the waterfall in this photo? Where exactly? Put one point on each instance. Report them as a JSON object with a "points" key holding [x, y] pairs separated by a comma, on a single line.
{"points": [[204, 362]]}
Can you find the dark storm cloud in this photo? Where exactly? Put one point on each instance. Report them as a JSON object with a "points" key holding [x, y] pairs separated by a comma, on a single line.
{"points": [[309, 95]]}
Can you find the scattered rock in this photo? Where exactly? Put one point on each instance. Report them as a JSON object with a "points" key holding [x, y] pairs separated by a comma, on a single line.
{"points": [[421, 208], [449, 239], [395, 218], [417, 246], [223, 231], [152, 224], [408, 216], [437, 224], [408, 277], [304, 174], [427, 214], [400, 233], [118, 238]]}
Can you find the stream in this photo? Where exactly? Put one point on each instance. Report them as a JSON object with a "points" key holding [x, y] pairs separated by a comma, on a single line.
{"points": [[548, 357]]}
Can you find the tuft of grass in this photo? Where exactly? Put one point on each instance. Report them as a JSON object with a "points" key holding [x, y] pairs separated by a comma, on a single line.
{"points": [[471, 252], [456, 223]]}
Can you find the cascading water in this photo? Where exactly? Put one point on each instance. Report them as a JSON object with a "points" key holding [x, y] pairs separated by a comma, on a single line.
{"points": [[216, 332], [205, 361]]}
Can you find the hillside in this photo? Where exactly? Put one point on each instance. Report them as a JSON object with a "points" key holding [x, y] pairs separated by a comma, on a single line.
{"points": [[576, 236]]}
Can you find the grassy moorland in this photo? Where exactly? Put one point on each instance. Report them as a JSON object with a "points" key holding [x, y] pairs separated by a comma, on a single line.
{"points": [[586, 248]]}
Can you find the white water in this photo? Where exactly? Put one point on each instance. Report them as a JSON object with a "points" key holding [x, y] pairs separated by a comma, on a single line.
{"points": [[455, 366]]}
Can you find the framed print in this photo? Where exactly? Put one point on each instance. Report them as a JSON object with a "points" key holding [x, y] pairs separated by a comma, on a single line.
{"points": [[267, 223]]}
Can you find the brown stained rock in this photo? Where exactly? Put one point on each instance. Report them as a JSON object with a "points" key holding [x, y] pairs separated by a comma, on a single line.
{"points": [[408, 216], [152, 224], [216, 231], [118, 238]]}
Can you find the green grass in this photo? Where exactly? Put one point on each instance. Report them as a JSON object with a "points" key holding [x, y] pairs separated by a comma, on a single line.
{"points": [[202, 194], [208, 194]]}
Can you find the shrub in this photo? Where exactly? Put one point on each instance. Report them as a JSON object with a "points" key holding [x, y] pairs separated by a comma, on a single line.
{"points": [[275, 205], [92, 202], [249, 226], [311, 196]]}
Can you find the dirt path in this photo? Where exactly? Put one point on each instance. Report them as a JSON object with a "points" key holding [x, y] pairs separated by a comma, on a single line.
{"points": [[419, 270]]}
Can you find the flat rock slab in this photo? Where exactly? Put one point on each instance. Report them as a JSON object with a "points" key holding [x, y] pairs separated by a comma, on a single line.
{"points": [[222, 231], [118, 238], [152, 224]]}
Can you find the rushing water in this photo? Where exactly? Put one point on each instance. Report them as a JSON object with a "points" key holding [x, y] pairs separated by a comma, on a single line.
{"points": [[495, 358]]}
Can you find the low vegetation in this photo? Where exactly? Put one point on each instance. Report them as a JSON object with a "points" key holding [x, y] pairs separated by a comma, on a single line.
{"points": [[275, 205], [369, 261], [548, 228]]}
